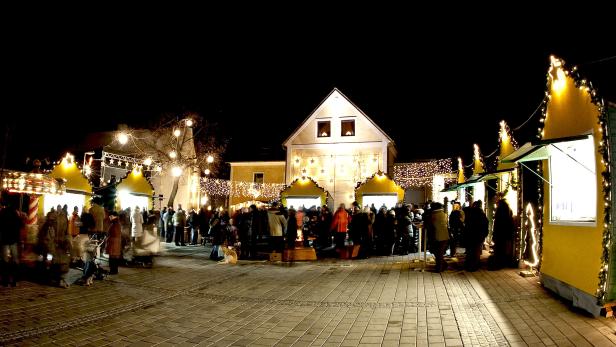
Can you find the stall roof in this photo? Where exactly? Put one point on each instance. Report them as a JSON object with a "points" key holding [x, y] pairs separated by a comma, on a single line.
{"points": [[538, 150], [492, 175], [471, 180]]}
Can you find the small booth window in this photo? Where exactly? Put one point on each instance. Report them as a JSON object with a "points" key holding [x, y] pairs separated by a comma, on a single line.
{"points": [[573, 195], [348, 128], [324, 129], [258, 177]]}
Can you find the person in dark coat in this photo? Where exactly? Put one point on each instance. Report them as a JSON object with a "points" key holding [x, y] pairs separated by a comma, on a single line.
{"points": [[291, 232], [456, 228], [475, 232], [503, 234], [10, 225]]}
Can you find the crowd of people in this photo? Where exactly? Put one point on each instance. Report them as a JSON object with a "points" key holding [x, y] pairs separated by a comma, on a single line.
{"points": [[256, 231]]}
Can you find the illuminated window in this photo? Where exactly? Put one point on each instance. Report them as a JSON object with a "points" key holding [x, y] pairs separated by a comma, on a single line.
{"points": [[324, 129], [348, 128], [573, 196], [257, 177]]}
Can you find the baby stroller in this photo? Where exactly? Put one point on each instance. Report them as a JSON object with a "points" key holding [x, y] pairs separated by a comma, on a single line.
{"points": [[92, 268]]}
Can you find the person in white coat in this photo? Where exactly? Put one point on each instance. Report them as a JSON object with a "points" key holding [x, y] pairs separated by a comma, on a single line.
{"points": [[136, 220]]}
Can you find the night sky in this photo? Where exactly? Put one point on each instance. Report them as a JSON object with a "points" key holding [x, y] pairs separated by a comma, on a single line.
{"points": [[435, 92]]}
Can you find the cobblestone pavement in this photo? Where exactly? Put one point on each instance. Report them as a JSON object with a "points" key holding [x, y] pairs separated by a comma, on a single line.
{"points": [[188, 300]]}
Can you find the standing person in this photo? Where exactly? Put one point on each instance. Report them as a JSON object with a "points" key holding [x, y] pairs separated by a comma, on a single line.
{"points": [[441, 235], [503, 234], [291, 231], [114, 243], [179, 222], [475, 232], [359, 230], [161, 224], [277, 224], [169, 229], [73, 229], [257, 226], [98, 213], [193, 224], [456, 227], [136, 231], [325, 220], [340, 223], [10, 226]]}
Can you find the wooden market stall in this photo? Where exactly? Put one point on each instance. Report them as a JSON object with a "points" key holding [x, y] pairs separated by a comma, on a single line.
{"points": [[135, 190], [303, 192], [379, 189], [575, 253], [78, 188]]}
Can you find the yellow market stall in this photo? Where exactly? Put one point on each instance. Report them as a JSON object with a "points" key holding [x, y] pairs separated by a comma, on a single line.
{"points": [[135, 190], [379, 190], [576, 216], [78, 189], [303, 192]]}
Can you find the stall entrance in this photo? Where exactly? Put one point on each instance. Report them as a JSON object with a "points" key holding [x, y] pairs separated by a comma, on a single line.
{"points": [[380, 199], [305, 201]]}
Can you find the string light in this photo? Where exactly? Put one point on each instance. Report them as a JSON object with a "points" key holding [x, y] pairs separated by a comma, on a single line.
{"points": [[32, 183], [420, 174], [533, 233], [220, 187]]}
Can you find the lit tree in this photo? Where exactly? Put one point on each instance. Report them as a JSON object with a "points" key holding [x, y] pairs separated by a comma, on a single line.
{"points": [[177, 145]]}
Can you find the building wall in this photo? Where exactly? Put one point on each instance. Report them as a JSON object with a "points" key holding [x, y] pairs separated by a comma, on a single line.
{"points": [[273, 172], [572, 254], [338, 163]]}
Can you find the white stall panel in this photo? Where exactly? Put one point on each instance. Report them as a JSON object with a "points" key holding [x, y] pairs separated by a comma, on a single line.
{"points": [[306, 202], [380, 200], [69, 199]]}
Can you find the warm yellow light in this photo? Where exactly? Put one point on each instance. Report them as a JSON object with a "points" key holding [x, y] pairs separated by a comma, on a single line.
{"points": [[206, 171], [177, 132], [147, 161], [189, 122], [503, 131], [176, 171], [324, 134], [557, 75], [209, 208], [349, 132], [476, 152], [173, 154], [210, 159], [122, 138], [531, 215]]}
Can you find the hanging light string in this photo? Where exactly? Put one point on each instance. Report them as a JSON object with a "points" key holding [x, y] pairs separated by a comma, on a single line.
{"points": [[531, 115]]}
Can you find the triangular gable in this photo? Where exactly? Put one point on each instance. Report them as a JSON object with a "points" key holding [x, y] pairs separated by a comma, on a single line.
{"points": [[335, 96]]}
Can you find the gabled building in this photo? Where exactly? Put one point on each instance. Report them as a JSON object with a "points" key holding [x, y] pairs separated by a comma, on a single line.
{"points": [[337, 146]]}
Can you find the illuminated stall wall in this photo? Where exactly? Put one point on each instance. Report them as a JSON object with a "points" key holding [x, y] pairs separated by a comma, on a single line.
{"points": [[573, 235], [478, 189], [507, 182], [338, 146], [78, 189], [379, 190], [303, 191], [135, 190]]}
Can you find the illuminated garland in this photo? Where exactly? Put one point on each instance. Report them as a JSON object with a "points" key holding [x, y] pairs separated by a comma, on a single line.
{"points": [[220, 187], [557, 68], [32, 183], [422, 173], [119, 161]]}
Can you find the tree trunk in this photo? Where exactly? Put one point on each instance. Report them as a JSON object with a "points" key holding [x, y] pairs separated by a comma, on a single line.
{"points": [[174, 191]]}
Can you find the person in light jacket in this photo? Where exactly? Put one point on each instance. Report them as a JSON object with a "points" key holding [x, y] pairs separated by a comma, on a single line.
{"points": [[136, 230], [441, 235], [277, 224]]}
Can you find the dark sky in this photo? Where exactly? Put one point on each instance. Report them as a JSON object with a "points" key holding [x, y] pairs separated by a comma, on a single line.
{"points": [[436, 89]]}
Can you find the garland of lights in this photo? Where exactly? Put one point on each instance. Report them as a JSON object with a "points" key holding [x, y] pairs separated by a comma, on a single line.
{"points": [[110, 160], [604, 150], [220, 187], [422, 173], [32, 183]]}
